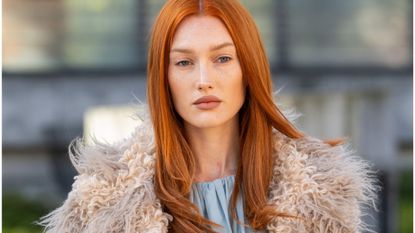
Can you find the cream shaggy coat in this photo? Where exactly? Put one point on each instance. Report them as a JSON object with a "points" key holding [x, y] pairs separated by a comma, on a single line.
{"points": [[328, 187]]}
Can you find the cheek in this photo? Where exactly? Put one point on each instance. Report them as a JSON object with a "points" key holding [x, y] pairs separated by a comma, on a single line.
{"points": [[237, 85], [175, 90], [173, 84], [179, 94]]}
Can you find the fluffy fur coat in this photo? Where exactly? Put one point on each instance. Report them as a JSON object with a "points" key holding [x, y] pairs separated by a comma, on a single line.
{"points": [[328, 187]]}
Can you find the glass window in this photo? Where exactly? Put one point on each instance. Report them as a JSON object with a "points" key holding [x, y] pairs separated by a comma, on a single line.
{"points": [[349, 33], [49, 35], [101, 34], [264, 14], [31, 35]]}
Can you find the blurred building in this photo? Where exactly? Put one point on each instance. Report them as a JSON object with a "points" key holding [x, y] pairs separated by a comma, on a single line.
{"points": [[346, 66]]}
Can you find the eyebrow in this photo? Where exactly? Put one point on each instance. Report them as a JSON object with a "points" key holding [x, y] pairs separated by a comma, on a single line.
{"points": [[213, 48]]}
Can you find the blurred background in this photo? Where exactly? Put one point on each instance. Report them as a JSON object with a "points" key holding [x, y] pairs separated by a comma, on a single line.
{"points": [[74, 67]]}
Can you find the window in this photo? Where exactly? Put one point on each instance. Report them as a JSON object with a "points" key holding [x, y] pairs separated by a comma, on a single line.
{"points": [[101, 35], [349, 33]]}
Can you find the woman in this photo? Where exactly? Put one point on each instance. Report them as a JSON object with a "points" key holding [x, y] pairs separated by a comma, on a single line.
{"points": [[221, 156]]}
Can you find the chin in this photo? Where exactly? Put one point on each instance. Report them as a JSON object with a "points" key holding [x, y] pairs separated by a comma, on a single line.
{"points": [[206, 123], [208, 119]]}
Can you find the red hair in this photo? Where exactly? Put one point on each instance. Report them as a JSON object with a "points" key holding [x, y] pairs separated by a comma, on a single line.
{"points": [[175, 163]]}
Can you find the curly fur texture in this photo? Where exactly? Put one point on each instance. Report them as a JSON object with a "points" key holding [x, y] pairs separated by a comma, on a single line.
{"points": [[326, 187]]}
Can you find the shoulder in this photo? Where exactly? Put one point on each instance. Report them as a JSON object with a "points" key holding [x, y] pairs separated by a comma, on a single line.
{"points": [[327, 187], [113, 190]]}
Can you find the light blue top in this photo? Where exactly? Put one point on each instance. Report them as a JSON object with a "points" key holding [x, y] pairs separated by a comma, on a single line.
{"points": [[213, 200]]}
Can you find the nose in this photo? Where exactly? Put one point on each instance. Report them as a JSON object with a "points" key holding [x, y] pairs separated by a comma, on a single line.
{"points": [[204, 86], [204, 81]]}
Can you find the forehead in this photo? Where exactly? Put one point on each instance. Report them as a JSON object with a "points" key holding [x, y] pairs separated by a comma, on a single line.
{"points": [[200, 31]]}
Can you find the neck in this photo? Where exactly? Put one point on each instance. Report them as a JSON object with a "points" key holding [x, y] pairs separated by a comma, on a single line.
{"points": [[216, 150]]}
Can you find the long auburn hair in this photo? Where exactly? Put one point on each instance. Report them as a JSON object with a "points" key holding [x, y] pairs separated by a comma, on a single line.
{"points": [[175, 163]]}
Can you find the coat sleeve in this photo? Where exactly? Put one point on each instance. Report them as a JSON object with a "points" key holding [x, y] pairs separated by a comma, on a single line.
{"points": [[327, 188], [70, 216], [114, 189], [96, 166], [113, 192]]}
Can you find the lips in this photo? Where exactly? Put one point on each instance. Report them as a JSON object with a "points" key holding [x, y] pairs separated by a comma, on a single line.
{"points": [[207, 99], [207, 102]]}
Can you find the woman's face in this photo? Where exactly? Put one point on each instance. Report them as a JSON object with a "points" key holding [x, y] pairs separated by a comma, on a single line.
{"points": [[204, 74]]}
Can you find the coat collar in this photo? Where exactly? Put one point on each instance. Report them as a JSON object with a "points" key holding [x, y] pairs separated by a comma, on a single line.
{"points": [[114, 191]]}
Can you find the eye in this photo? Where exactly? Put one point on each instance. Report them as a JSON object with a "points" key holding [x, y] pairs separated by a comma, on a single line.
{"points": [[224, 59], [183, 63]]}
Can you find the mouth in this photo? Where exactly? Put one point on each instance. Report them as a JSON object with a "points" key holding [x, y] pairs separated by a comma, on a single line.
{"points": [[207, 99], [208, 105], [207, 102]]}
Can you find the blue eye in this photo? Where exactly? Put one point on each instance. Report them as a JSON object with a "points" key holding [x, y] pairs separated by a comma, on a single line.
{"points": [[183, 63], [224, 59]]}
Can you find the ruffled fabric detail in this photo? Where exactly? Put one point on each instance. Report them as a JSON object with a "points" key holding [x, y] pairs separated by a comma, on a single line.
{"points": [[213, 200]]}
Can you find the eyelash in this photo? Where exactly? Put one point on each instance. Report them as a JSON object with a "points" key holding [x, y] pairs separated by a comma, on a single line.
{"points": [[228, 58], [180, 63]]}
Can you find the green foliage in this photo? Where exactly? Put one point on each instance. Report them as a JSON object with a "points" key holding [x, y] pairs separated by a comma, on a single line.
{"points": [[405, 203], [19, 214]]}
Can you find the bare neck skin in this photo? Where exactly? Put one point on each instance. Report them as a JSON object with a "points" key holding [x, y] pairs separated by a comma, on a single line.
{"points": [[216, 150]]}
